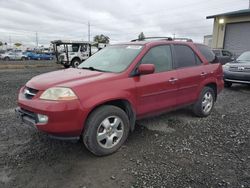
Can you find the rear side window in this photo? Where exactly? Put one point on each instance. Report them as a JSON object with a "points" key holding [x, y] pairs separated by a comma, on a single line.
{"points": [[207, 53], [216, 52], [185, 56], [160, 56], [226, 53]]}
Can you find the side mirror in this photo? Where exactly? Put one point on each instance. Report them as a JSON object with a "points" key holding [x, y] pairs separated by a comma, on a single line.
{"points": [[146, 69]]}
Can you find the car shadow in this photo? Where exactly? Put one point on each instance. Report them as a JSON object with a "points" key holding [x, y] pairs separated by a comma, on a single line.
{"points": [[239, 87]]}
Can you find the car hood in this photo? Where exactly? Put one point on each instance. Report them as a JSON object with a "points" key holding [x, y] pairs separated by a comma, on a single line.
{"points": [[68, 78], [239, 64]]}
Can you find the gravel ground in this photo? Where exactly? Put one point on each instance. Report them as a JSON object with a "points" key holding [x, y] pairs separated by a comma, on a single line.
{"points": [[171, 150]]}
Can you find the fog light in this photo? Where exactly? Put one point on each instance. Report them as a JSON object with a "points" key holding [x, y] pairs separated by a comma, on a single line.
{"points": [[42, 118]]}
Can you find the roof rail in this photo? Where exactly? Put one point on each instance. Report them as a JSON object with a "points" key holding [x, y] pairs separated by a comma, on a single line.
{"points": [[146, 38], [183, 39]]}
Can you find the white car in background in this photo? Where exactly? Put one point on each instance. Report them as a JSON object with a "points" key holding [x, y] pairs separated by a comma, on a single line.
{"points": [[13, 56]]}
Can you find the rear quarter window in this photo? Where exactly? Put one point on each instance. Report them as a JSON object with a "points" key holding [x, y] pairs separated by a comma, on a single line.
{"points": [[207, 53]]}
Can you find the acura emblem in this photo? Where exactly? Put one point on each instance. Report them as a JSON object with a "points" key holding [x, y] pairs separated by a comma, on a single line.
{"points": [[241, 68]]}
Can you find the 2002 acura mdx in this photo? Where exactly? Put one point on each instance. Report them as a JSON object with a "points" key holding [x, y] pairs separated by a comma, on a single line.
{"points": [[103, 97]]}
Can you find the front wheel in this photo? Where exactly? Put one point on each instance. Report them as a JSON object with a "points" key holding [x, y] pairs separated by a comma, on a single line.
{"points": [[6, 58], [75, 63], [106, 130], [203, 107]]}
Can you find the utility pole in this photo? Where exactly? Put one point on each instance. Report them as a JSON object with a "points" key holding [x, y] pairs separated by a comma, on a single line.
{"points": [[10, 41], [88, 31], [36, 39], [174, 35]]}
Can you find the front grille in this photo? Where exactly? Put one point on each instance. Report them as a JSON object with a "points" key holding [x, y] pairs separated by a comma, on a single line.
{"points": [[30, 92], [239, 69]]}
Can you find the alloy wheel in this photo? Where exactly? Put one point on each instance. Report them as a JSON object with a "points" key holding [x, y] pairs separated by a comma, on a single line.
{"points": [[207, 102], [110, 132]]}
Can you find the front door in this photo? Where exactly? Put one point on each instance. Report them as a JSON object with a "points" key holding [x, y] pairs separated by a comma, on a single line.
{"points": [[156, 92]]}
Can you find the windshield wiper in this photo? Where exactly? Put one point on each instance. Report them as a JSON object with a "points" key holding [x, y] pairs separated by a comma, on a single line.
{"points": [[93, 69]]}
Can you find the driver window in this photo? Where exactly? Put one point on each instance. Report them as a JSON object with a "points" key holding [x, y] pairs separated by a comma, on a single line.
{"points": [[160, 56]]}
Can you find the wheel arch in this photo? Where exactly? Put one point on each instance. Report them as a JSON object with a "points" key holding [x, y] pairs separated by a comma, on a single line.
{"points": [[123, 104], [212, 85], [76, 58]]}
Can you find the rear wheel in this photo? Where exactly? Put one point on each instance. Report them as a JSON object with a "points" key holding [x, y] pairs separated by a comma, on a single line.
{"points": [[75, 63], [227, 84], [203, 107], [106, 130], [66, 66]]}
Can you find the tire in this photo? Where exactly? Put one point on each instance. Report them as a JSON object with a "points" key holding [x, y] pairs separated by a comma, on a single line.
{"points": [[203, 107], [66, 66], [227, 84], [39, 58], [6, 58], [75, 63], [23, 58], [107, 143]]}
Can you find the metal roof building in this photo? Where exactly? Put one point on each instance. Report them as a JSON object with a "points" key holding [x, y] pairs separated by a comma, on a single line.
{"points": [[231, 31]]}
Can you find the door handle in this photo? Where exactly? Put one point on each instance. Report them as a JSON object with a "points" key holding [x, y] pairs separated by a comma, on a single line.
{"points": [[172, 80], [203, 74]]}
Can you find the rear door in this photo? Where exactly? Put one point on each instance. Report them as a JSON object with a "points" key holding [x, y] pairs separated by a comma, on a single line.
{"points": [[157, 92], [190, 73]]}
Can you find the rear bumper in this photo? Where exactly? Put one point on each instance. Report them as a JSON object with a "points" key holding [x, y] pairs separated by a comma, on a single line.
{"points": [[65, 118]]}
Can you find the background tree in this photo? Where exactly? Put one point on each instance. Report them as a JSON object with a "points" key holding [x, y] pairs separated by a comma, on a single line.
{"points": [[141, 36], [1, 43], [101, 39], [18, 44]]}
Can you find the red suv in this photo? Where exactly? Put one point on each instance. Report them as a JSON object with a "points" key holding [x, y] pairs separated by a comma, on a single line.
{"points": [[102, 98]]}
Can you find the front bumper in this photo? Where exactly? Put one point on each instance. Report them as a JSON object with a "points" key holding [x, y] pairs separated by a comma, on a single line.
{"points": [[237, 77], [65, 118]]}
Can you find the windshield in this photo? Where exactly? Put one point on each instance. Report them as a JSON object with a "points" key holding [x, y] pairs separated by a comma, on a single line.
{"points": [[244, 57], [113, 58]]}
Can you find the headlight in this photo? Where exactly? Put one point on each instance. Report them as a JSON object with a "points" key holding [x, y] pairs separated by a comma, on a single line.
{"points": [[225, 67], [58, 93]]}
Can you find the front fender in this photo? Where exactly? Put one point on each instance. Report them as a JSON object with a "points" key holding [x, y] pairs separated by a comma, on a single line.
{"points": [[96, 100]]}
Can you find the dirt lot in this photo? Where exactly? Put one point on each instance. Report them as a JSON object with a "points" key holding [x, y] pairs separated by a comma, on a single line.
{"points": [[172, 150]]}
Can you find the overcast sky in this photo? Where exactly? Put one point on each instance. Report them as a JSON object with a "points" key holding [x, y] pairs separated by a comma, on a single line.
{"points": [[121, 20]]}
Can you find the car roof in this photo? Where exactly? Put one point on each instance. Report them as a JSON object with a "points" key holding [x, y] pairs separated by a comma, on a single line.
{"points": [[148, 41], [154, 42]]}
